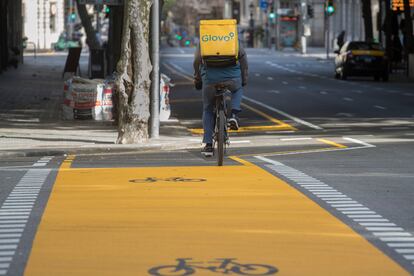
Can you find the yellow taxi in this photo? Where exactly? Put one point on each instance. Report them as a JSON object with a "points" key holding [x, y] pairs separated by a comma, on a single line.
{"points": [[359, 58]]}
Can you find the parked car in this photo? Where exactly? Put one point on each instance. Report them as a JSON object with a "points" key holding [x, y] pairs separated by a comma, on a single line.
{"points": [[359, 58]]}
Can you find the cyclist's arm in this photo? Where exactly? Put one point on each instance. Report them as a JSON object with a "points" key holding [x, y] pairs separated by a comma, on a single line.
{"points": [[244, 67], [196, 64]]}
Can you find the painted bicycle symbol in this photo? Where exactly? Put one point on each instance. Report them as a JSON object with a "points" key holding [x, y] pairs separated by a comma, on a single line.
{"points": [[222, 266], [169, 179]]}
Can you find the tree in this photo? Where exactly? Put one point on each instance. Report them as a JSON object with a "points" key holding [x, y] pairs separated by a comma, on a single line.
{"points": [[408, 28], [87, 25], [133, 73], [367, 15]]}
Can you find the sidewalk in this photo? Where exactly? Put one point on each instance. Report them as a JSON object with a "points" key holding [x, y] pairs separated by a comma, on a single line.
{"points": [[31, 124]]}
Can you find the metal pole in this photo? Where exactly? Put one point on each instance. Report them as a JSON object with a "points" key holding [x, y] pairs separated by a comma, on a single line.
{"points": [[303, 22], [328, 36], [155, 93]]}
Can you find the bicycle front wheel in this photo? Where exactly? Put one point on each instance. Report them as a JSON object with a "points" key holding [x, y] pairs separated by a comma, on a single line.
{"points": [[221, 139]]}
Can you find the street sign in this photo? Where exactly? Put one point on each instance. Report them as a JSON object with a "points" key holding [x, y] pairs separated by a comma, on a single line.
{"points": [[102, 2], [264, 4]]}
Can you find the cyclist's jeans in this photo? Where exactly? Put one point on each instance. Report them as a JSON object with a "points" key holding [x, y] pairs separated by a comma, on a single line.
{"points": [[209, 93]]}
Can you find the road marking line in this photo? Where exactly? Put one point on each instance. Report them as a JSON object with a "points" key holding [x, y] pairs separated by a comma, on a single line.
{"points": [[380, 107], [385, 229], [18, 230], [352, 208], [346, 205], [393, 234], [357, 214], [300, 121], [358, 142], [270, 78], [397, 239], [16, 209], [364, 216], [174, 71], [405, 250], [9, 240], [279, 125], [377, 224], [296, 139], [376, 220], [400, 244], [348, 99], [270, 118], [332, 143]]}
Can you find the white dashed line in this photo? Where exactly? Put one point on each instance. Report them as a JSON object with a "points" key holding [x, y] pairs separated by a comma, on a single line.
{"points": [[323, 93], [348, 99], [378, 226], [15, 212], [380, 107], [300, 121], [270, 78], [274, 91]]}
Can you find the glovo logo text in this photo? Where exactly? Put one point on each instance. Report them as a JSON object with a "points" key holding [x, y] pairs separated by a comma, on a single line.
{"points": [[207, 38]]}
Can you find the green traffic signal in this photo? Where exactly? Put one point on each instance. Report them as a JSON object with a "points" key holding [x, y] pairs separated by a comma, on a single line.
{"points": [[179, 37], [107, 9], [73, 16], [272, 15], [329, 7]]}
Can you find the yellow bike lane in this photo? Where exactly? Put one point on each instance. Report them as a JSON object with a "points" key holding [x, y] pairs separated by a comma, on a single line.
{"points": [[127, 221]]}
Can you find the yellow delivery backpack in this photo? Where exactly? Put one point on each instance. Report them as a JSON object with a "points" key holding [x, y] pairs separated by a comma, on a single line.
{"points": [[219, 43]]}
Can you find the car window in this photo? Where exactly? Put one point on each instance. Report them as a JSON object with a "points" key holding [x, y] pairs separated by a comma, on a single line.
{"points": [[364, 46]]}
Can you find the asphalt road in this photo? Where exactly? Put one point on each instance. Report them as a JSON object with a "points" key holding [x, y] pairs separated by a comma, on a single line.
{"points": [[319, 181]]}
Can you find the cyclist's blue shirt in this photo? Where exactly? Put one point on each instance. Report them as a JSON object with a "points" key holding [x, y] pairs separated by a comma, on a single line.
{"points": [[215, 75]]}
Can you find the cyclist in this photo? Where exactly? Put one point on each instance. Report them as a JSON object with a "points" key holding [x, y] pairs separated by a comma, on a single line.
{"points": [[205, 79]]}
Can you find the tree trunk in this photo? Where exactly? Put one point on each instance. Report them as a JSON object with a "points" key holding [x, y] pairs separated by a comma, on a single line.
{"points": [[86, 23], [367, 15], [408, 28], [134, 69]]}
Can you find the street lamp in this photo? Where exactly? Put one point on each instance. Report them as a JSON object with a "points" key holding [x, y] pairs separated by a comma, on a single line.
{"points": [[251, 30]]}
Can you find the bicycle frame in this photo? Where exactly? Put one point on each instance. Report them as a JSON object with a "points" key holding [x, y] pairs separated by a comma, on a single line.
{"points": [[220, 131]]}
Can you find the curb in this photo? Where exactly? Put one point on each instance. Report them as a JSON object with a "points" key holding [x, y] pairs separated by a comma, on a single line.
{"points": [[100, 151]]}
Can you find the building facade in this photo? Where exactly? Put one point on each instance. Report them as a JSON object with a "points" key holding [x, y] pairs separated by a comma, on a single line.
{"points": [[43, 21], [347, 17]]}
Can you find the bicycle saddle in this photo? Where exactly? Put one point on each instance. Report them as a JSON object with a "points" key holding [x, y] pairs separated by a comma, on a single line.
{"points": [[225, 85]]}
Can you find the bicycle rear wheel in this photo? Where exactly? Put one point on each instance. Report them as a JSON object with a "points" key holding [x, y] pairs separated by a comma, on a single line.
{"points": [[221, 137]]}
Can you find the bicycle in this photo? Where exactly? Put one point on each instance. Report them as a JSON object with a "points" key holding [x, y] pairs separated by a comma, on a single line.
{"points": [[169, 179], [224, 266], [220, 136]]}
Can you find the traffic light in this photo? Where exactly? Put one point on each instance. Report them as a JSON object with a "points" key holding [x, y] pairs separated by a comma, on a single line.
{"points": [[272, 14], [330, 7], [72, 16], [310, 11], [107, 11]]}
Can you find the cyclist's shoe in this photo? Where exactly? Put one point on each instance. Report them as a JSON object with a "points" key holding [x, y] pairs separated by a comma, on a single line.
{"points": [[234, 122], [208, 150]]}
